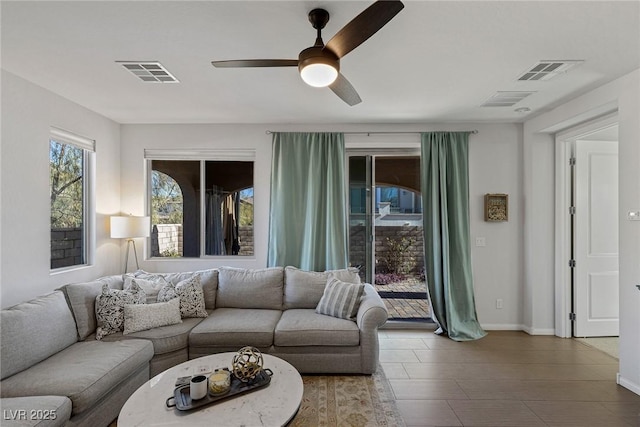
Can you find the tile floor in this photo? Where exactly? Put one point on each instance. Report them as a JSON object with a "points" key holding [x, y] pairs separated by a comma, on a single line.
{"points": [[505, 379]]}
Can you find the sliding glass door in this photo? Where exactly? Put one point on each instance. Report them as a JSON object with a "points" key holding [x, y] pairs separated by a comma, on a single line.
{"points": [[385, 230]]}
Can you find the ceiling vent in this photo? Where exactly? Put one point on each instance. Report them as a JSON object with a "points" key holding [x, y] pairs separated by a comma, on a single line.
{"points": [[545, 70], [149, 71], [505, 99]]}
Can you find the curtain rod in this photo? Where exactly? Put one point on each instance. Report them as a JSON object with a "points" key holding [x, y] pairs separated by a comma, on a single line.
{"points": [[474, 131]]}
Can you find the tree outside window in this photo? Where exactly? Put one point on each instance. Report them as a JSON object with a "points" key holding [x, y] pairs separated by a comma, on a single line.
{"points": [[67, 197]]}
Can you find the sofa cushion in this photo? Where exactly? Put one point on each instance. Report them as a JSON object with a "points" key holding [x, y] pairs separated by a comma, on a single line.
{"points": [[165, 339], [85, 372], [34, 330], [236, 327], [41, 411], [208, 280], [140, 317], [341, 299], [303, 289], [110, 308], [189, 293], [305, 327], [82, 300], [247, 288]]}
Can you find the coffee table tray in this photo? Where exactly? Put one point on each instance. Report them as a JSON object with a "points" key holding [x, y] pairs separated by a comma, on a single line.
{"points": [[182, 399]]}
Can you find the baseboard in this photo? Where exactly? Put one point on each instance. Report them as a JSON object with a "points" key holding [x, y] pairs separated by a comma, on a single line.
{"points": [[516, 327], [629, 385], [501, 327], [538, 331]]}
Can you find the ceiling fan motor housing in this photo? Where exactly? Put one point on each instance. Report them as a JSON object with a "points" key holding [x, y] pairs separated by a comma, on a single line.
{"points": [[318, 55]]}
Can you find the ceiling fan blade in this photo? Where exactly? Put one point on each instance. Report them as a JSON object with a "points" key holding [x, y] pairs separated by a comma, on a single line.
{"points": [[241, 63], [363, 26], [345, 90]]}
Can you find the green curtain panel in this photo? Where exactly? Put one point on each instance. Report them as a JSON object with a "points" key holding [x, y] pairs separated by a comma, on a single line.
{"points": [[445, 195], [307, 219]]}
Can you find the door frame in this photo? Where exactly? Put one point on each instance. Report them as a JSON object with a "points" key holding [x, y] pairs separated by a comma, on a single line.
{"points": [[563, 198]]}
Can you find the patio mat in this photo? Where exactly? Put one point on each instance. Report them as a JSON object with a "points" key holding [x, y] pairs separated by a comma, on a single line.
{"points": [[347, 400], [402, 295]]}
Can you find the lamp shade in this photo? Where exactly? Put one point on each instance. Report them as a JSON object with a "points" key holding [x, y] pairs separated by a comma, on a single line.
{"points": [[126, 227]]}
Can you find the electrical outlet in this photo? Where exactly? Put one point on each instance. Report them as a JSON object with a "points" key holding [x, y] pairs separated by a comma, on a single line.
{"points": [[481, 241], [499, 303]]}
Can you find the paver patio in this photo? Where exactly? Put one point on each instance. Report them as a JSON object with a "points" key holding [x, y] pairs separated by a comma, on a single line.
{"points": [[406, 300]]}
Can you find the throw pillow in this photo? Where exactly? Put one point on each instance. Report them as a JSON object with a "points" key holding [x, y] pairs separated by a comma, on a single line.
{"points": [[140, 317], [110, 308], [191, 296], [150, 286], [303, 289], [341, 299]]}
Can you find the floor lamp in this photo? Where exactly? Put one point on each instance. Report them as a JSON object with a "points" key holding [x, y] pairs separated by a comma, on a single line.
{"points": [[130, 227]]}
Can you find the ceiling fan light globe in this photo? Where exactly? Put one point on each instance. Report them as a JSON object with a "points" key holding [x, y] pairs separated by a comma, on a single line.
{"points": [[319, 74]]}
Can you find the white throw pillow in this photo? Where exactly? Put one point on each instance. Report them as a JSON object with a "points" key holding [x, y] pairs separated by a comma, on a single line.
{"points": [[140, 317], [341, 299], [150, 287], [151, 283], [110, 308], [191, 296]]}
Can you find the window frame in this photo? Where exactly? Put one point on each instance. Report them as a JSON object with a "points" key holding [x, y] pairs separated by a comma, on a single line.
{"points": [[201, 155], [88, 147]]}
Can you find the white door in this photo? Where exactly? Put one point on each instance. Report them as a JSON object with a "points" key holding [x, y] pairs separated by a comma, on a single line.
{"points": [[596, 303]]}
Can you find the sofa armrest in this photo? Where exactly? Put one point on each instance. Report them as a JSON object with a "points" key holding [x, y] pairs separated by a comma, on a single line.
{"points": [[372, 312], [371, 315]]}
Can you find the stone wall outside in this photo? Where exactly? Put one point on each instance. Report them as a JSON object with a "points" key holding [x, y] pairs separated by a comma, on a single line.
{"points": [[169, 237], [357, 249], [66, 247], [166, 238]]}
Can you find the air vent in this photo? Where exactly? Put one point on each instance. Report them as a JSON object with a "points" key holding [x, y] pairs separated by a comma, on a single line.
{"points": [[505, 99], [545, 70], [149, 71]]}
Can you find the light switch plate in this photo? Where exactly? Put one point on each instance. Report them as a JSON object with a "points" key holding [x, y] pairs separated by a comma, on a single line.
{"points": [[634, 215], [481, 241]]}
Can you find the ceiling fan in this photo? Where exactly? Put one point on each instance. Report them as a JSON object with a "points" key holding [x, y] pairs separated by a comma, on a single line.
{"points": [[319, 65]]}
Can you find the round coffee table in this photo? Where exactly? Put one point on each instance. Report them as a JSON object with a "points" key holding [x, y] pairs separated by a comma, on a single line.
{"points": [[273, 405]]}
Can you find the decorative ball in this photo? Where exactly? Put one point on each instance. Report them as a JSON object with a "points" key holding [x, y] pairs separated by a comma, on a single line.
{"points": [[247, 363]]}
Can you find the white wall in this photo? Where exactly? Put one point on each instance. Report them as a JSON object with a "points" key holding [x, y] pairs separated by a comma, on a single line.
{"points": [[28, 112], [539, 238], [495, 163]]}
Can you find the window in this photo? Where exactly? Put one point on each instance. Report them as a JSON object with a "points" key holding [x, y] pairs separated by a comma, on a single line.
{"points": [[200, 207], [69, 186]]}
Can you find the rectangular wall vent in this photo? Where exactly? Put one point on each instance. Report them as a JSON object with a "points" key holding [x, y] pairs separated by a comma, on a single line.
{"points": [[547, 69], [505, 99], [149, 71]]}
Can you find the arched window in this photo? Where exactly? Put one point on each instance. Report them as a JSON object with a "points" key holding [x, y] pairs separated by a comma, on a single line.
{"points": [[167, 214]]}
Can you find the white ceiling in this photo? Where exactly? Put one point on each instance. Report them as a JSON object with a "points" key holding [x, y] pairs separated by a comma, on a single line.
{"points": [[436, 61]]}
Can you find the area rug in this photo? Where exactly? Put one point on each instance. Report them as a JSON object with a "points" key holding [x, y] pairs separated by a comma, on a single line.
{"points": [[347, 400]]}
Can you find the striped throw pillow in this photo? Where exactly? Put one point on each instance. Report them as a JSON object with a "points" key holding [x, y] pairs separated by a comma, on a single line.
{"points": [[341, 299]]}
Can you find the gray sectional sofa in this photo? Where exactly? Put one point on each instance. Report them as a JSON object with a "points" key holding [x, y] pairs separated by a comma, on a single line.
{"points": [[51, 362]]}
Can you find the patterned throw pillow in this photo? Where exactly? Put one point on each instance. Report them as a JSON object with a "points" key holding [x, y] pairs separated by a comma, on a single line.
{"points": [[140, 317], [191, 296], [110, 308], [341, 299]]}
